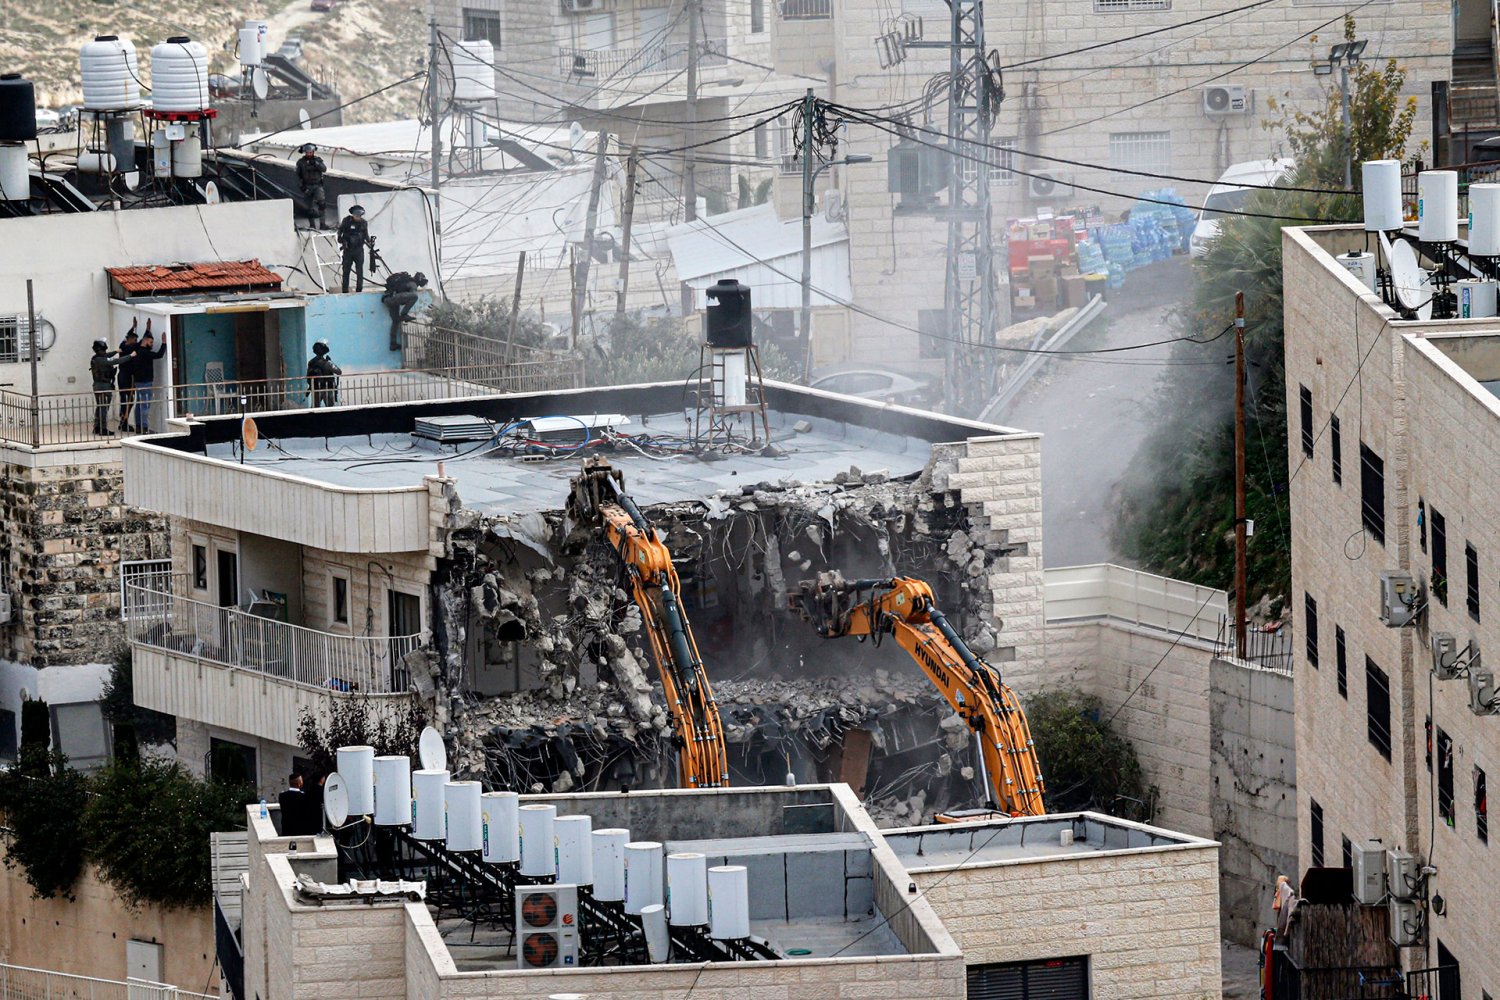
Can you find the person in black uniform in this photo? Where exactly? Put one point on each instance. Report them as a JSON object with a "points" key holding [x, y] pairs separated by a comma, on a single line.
{"points": [[127, 376], [143, 375], [102, 372], [323, 376], [400, 296], [296, 819], [354, 233], [310, 171]]}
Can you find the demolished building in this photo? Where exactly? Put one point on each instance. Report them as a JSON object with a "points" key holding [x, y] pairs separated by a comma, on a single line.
{"points": [[373, 562]]}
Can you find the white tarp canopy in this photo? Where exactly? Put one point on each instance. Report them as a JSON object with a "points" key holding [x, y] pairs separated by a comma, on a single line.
{"points": [[755, 247]]}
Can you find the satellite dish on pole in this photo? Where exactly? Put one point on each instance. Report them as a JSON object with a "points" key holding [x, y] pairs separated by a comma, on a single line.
{"points": [[211, 193], [259, 83], [430, 749], [1412, 285], [302, 117], [336, 800], [575, 137]]}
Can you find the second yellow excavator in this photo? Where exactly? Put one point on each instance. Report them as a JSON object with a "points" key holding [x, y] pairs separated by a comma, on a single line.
{"points": [[904, 607], [598, 498]]}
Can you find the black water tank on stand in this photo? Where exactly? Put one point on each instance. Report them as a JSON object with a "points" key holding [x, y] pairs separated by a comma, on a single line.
{"points": [[728, 323], [17, 109]]}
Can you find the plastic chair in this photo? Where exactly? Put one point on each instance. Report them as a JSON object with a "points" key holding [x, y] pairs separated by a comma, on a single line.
{"points": [[219, 390]]}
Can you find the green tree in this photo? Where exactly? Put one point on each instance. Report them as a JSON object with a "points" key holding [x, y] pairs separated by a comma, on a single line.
{"points": [[1086, 764], [657, 349], [133, 725], [42, 801], [353, 722], [1176, 515]]}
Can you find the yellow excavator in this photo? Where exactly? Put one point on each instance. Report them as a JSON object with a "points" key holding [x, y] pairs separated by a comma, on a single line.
{"points": [[903, 607], [598, 497]]}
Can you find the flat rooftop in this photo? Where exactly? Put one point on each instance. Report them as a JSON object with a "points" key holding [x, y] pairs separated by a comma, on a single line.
{"points": [[495, 480], [1028, 839]]}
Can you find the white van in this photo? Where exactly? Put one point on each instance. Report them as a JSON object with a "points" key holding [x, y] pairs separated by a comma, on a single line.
{"points": [[1229, 194]]}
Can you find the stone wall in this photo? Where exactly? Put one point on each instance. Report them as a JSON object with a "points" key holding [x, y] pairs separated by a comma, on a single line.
{"points": [[66, 528], [86, 936], [1147, 921]]}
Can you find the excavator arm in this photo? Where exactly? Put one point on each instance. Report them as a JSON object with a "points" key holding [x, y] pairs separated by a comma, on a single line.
{"points": [[598, 497], [904, 608]]}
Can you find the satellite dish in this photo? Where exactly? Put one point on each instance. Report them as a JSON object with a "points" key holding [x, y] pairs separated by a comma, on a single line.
{"points": [[336, 800], [575, 136], [1412, 285], [211, 193], [259, 83], [302, 117], [430, 749]]}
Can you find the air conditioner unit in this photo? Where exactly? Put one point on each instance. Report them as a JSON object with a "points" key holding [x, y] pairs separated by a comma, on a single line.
{"points": [[581, 6], [547, 927], [1444, 656], [1398, 599], [1482, 694], [1368, 858], [6, 612], [1220, 101], [1406, 923], [1403, 875], [1047, 184]]}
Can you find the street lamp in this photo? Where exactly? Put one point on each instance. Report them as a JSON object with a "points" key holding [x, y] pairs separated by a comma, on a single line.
{"points": [[1344, 55], [809, 178]]}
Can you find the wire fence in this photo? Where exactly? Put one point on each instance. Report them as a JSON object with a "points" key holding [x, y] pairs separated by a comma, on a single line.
{"points": [[1271, 650], [240, 639], [17, 982]]}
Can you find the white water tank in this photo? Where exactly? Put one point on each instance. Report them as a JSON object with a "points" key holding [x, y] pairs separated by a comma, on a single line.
{"points": [[728, 903], [393, 790], [427, 815], [357, 765], [111, 74], [687, 889], [1382, 195], [179, 75], [1484, 220], [497, 814], [575, 849], [643, 877], [464, 831], [187, 157], [1437, 206], [15, 172], [473, 71], [250, 50], [609, 864], [538, 846]]}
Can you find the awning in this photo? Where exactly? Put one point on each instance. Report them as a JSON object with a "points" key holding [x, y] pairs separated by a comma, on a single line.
{"points": [[755, 247]]}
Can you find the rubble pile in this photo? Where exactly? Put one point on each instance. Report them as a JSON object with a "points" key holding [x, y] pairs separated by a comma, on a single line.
{"points": [[818, 710]]}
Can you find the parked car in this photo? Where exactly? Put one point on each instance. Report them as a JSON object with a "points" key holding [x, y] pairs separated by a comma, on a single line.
{"points": [[874, 383], [291, 49], [47, 118], [322, 6], [1229, 194]]}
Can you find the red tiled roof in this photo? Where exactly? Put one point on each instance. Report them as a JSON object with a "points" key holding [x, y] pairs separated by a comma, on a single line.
{"points": [[227, 275]]}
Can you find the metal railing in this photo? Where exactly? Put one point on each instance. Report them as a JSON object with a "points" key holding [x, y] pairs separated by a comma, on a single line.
{"points": [[17, 982], [668, 57], [424, 346], [806, 10], [1272, 650], [231, 954], [235, 638]]}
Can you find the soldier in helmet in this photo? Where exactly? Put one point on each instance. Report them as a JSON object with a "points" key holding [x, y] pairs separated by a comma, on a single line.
{"points": [[310, 171], [102, 372], [323, 376], [399, 298], [354, 233]]}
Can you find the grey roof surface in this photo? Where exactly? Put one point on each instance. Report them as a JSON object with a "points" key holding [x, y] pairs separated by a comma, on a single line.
{"points": [[500, 484], [1026, 839]]}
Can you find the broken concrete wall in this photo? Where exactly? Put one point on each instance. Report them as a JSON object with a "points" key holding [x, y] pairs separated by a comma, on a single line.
{"points": [[65, 529]]}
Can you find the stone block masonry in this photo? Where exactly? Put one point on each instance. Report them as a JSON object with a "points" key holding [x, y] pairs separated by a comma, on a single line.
{"points": [[66, 529]]}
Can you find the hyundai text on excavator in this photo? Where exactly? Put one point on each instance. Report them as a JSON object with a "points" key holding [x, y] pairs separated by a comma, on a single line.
{"points": [[598, 498], [903, 607]]}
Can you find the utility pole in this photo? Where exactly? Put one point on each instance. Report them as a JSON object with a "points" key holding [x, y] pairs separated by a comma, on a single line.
{"points": [[627, 213], [36, 399], [581, 280], [434, 98], [1240, 524], [1348, 128], [515, 306], [690, 155], [809, 108]]}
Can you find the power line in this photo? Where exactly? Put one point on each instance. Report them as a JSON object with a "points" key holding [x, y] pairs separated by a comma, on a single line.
{"points": [[347, 104], [1131, 38]]}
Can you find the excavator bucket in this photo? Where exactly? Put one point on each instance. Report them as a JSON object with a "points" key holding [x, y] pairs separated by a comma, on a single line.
{"points": [[819, 601], [599, 483]]}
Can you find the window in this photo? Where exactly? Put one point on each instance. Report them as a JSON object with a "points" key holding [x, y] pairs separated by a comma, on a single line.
{"points": [[339, 603], [757, 16], [1372, 492], [1336, 448], [1149, 151], [7, 734], [1000, 157], [1481, 807], [1316, 824], [15, 340], [1046, 979], [1304, 399], [786, 150], [1129, 6], [200, 567], [1422, 523], [762, 143], [1346, 852], [231, 763], [1310, 619], [482, 26], [78, 730], [144, 586], [1439, 556], [1428, 727], [1341, 661], [1378, 708], [1445, 776], [1471, 580]]}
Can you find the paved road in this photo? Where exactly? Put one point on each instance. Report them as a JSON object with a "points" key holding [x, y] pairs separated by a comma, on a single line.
{"points": [[1096, 414]]}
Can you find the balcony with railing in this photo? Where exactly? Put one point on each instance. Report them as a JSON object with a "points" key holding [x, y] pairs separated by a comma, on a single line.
{"points": [[641, 68], [227, 667]]}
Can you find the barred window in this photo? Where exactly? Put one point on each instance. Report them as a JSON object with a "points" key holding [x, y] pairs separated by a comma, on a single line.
{"points": [[786, 150], [1315, 822], [1481, 806], [1445, 776], [1000, 157], [482, 26], [1471, 580], [1439, 556], [1336, 448], [1378, 708], [15, 340], [1310, 619], [1129, 6], [1372, 492], [1148, 151], [1341, 661], [1304, 400]]}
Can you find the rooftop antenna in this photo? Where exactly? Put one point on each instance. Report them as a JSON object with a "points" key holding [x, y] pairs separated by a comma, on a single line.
{"points": [[730, 383]]}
